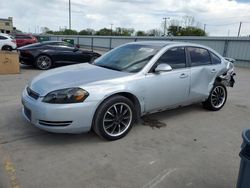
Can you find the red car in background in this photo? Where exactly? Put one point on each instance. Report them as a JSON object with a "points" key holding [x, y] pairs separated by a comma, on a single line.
{"points": [[25, 39]]}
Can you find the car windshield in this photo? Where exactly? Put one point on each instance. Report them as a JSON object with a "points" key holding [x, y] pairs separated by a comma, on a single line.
{"points": [[129, 58]]}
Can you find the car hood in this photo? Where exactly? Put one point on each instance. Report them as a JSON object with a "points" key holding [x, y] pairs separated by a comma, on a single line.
{"points": [[72, 76]]}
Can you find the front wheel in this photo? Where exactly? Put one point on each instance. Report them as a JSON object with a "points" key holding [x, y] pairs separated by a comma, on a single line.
{"points": [[217, 97], [7, 48], [114, 118]]}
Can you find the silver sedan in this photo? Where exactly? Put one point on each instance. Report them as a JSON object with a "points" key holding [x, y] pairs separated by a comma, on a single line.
{"points": [[126, 83]]}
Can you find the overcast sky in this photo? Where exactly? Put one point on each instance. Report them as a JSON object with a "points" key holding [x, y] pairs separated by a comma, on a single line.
{"points": [[221, 17]]}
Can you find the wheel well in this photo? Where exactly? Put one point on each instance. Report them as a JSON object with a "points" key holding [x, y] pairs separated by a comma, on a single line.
{"points": [[6, 46], [133, 99], [218, 79]]}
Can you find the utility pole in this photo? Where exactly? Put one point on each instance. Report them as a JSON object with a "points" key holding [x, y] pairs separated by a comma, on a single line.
{"points": [[205, 27], [111, 27], [69, 14], [239, 29], [165, 25]]}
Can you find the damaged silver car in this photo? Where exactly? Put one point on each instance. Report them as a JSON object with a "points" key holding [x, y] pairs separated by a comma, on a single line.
{"points": [[124, 84]]}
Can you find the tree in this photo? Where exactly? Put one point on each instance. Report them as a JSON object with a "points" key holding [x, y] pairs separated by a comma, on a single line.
{"points": [[87, 32], [141, 33], [104, 32], [192, 31], [45, 30], [174, 30], [154, 32]]}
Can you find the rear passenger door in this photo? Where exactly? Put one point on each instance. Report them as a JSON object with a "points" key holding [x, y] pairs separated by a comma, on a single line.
{"points": [[203, 72]]}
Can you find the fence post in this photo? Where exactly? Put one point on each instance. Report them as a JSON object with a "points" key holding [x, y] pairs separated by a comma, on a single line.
{"points": [[92, 44], [225, 48], [110, 43]]}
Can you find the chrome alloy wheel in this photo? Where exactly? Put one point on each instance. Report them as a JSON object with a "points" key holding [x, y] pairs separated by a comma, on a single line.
{"points": [[117, 119], [218, 96], [44, 62]]}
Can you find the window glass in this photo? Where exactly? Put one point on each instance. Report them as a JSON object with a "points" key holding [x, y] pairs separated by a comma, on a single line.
{"points": [[23, 37], [215, 59], [3, 38], [128, 58], [175, 57], [199, 56]]}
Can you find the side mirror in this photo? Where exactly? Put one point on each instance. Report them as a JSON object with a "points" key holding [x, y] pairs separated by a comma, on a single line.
{"points": [[163, 68]]}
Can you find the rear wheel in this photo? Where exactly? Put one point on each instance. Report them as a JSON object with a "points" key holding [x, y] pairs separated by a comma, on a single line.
{"points": [[7, 48], [217, 97], [114, 118], [43, 62]]}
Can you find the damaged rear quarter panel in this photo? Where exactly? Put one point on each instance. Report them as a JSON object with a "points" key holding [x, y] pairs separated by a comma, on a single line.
{"points": [[202, 80]]}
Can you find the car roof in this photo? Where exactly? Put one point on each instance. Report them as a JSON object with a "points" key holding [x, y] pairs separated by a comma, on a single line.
{"points": [[154, 43], [162, 44], [49, 42]]}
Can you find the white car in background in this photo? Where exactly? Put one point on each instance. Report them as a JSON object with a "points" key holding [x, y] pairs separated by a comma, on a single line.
{"points": [[7, 42]]}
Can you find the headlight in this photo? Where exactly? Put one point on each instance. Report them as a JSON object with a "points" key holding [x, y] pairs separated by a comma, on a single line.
{"points": [[69, 95]]}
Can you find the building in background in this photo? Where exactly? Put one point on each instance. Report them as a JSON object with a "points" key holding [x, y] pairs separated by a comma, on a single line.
{"points": [[6, 25]]}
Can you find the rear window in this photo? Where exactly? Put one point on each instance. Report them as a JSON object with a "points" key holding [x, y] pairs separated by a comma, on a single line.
{"points": [[215, 59], [199, 56]]}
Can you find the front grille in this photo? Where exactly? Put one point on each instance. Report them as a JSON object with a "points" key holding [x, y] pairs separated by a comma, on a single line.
{"points": [[32, 94], [55, 123]]}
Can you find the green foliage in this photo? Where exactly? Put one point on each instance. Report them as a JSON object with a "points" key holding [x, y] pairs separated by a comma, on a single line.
{"points": [[192, 31], [63, 32], [123, 31], [87, 32], [154, 32], [141, 33], [185, 31], [104, 32]]}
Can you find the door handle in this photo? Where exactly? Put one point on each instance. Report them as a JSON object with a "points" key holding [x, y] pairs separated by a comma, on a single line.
{"points": [[213, 70], [183, 75]]}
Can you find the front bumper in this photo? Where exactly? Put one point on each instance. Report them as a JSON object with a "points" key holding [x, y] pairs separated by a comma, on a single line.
{"points": [[26, 60], [58, 118]]}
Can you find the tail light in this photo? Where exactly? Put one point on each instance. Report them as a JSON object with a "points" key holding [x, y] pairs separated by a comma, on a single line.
{"points": [[14, 41]]}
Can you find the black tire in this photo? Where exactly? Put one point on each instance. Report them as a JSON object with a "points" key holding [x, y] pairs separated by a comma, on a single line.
{"points": [[43, 62], [7, 48], [219, 99], [107, 126]]}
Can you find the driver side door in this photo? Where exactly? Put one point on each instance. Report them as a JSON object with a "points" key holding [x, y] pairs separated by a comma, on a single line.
{"points": [[168, 89]]}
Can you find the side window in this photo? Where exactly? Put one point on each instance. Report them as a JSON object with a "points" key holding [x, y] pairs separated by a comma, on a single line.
{"points": [[175, 57], [199, 56], [2, 38], [215, 59]]}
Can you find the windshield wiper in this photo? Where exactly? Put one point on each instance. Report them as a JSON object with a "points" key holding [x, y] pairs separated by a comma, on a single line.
{"points": [[109, 67]]}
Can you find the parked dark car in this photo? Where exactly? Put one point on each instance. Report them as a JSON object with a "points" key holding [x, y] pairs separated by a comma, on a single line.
{"points": [[45, 55], [25, 39]]}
